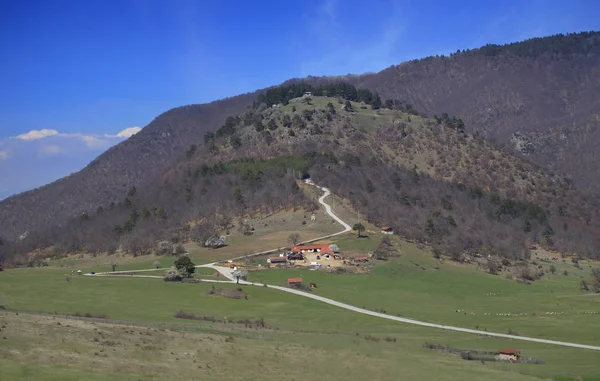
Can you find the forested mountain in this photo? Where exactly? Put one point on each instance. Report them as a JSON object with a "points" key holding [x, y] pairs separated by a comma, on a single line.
{"points": [[130, 163], [539, 96], [426, 177]]}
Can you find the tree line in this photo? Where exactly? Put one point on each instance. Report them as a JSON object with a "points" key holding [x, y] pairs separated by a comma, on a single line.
{"points": [[283, 94]]}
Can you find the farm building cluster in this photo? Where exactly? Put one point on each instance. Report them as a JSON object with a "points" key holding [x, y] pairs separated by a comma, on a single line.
{"points": [[316, 256]]}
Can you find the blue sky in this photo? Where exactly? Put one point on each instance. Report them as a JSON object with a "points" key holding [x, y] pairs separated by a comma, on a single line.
{"points": [[87, 70]]}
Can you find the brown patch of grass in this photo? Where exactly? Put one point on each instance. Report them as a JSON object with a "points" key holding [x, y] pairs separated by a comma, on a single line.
{"points": [[232, 293], [90, 316]]}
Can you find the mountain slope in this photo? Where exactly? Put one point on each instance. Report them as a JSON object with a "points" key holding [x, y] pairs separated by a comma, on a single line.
{"points": [[546, 89], [130, 163], [539, 95], [427, 178]]}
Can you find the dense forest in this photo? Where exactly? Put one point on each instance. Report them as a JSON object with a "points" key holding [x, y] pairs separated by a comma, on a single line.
{"points": [[560, 45]]}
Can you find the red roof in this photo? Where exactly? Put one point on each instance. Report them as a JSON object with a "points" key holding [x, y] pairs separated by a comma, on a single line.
{"points": [[509, 351], [386, 228], [294, 280], [365, 258]]}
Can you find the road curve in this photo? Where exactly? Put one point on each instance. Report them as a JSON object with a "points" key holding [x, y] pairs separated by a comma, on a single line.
{"points": [[227, 273]]}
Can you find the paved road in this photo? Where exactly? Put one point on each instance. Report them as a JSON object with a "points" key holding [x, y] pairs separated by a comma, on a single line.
{"points": [[227, 273]]}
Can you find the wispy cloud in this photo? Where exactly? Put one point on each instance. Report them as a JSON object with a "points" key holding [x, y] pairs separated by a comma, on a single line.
{"points": [[47, 155], [49, 150], [336, 48], [90, 140]]}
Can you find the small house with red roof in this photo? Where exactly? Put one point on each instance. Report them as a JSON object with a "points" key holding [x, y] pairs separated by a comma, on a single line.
{"points": [[362, 259], [509, 355], [294, 281]]}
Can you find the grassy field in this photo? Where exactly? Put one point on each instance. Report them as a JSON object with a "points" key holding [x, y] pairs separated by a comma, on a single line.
{"points": [[293, 321], [55, 348], [420, 287]]}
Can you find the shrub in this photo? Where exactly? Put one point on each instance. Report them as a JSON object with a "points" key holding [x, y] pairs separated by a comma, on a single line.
{"points": [[173, 276]]}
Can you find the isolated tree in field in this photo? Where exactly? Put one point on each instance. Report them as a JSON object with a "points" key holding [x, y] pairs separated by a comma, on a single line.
{"points": [[185, 266], [294, 238], [596, 279], [240, 274], [348, 106], [553, 269], [113, 265], [157, 264], [358, 227]]}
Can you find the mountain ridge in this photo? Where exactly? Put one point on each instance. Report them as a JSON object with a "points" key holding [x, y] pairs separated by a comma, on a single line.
{"points": [[496, 94]]}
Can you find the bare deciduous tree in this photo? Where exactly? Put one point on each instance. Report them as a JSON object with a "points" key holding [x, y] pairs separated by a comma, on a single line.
{"points": [[294, 238]]}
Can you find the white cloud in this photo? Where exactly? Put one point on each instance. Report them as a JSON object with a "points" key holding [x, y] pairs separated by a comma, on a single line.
{"points": [[3, 155], [129, 132], [126, 133], [37, 134]]}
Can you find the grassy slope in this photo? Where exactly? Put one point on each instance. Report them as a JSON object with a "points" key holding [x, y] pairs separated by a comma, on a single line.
{"points": [[270, 232]]}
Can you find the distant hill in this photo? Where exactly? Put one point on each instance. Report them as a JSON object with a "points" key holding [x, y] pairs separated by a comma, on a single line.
{"points": [[538, 96]]}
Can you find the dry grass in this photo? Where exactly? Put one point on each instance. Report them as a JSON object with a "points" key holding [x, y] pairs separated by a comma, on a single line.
{"points": [[46, 347]]}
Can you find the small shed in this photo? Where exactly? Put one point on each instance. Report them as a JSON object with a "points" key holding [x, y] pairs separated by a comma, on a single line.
{"points": [[509, 355], [387, 230], [362, 259], [294, 281]]}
